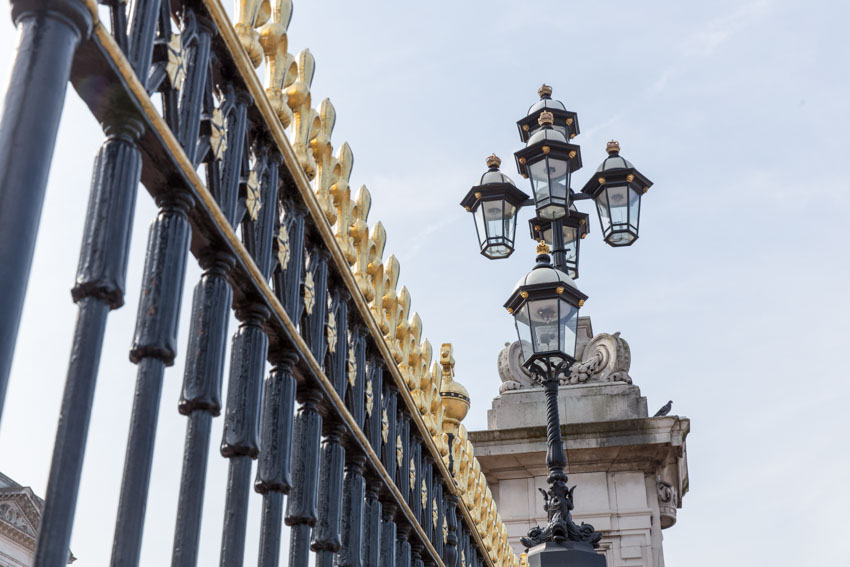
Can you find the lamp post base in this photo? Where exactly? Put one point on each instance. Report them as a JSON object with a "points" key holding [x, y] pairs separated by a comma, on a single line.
{"points": [[566, 554]]}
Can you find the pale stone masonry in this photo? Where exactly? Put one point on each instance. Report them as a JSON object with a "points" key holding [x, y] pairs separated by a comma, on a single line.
{"points": [[630, 469]]}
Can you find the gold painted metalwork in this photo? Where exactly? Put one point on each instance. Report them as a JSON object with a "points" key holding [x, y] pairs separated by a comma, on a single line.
{"points": [[478, 194], [252, 195], [467, 209], [445, 530], [601, 180], [612, 146], [344, 206], [218, 137], [331, 327], [309, 293], [522, 161], [370, 397], [281, 68], [328, 168], [523, 294], [385, 425], [572, 154], [580, 302], [510, 311], [569, 121], [352, 367], [572, 135], [283, 248], [462, 558], [542, 247], [251, 14], [305, 122], [559, 290], [399, 450], [435, 516], [493, 161], [546, 150], [630, 178], [423, 489], [546, 118], [175, 67], [412, 474], [645, 189], [544, 90]]}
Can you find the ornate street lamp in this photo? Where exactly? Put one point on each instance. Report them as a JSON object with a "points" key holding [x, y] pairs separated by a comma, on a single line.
{"points": [[617, 188], [574, 227], [494, 203], [546, 301], [545, 306], [547, 160]]}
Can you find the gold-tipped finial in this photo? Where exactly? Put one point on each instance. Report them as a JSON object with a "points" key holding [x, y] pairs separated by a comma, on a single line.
{"points": [[613, 146], [545, 118], [453, 396], [542, 248], [544, 90], [493, 161]]}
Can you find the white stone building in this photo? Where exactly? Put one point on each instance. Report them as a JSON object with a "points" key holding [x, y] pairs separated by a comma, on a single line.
{"points": [[630, 469], [20, 518]]}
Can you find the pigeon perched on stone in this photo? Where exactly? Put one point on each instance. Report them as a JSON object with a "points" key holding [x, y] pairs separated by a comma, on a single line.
{"points": [[665, 409]]}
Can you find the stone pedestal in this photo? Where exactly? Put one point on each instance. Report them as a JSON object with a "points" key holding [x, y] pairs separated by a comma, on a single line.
{"points": [[564, 555]]}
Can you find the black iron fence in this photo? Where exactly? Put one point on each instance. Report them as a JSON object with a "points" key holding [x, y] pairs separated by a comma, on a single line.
{"points": [[355, 433]]}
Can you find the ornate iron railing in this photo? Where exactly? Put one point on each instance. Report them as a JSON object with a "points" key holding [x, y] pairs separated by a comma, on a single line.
{"points": [[350, 422]]}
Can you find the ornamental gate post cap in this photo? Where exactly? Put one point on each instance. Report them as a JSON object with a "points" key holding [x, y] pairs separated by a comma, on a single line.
{"points": [[493, 161], [612, 147]]}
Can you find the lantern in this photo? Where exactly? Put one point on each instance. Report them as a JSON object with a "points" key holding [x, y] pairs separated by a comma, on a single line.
{"points": [[545, 306], [616, 189], [574, 227], [564, 121], [494, 203], [548, 160]]}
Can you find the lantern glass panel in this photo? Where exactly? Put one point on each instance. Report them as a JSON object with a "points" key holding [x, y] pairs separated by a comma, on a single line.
{"points": [[550, 181], [618, 205], [634, 208], [569, 326], [544, 324], [604, 213], [570, 244], [478, 215], [523, 328]]}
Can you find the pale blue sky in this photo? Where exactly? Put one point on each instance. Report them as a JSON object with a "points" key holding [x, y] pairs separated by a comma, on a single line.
{"points": [[734, 300]]}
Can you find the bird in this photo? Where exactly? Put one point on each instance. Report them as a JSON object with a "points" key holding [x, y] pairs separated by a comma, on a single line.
{"points": [[665, 409]]}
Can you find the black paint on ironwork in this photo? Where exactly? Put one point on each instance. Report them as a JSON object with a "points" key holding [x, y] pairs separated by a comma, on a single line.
{"points": [[273, 475], [313, 324], [154, 347], [372, 529], [99, 288], [287, 280], [336, 366], [373, 425], [389, 534], [355, 395], [403, 555], [450, 551], [241, 420], [48, 35], [301, 506], [326, 536], [353, 502], [390, 411]]}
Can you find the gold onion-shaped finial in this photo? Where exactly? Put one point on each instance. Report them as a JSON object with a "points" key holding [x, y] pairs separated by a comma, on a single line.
{"points": [[544, 91], [453, 396], [493, 161], [613, 147], [546, 118], [542, 248]]}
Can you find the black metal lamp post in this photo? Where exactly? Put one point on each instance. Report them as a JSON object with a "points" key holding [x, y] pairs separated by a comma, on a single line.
{"points": [[494, 203], [546, 301]]}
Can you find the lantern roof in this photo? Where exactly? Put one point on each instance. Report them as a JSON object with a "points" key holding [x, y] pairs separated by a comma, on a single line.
{"points": [[544, 273], [546, 134], [494, 183]]}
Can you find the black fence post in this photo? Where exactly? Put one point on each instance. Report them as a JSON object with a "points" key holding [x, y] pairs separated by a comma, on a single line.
{"points": [[49, 33]]}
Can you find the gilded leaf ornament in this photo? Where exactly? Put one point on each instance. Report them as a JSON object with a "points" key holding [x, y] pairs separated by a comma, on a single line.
{"points": [[283, 251], [369, 397], [309, 293], [252, 195], [331, 332], [462, 558], [175, 68], [412, 474], [445, 530], [218, 138], [423, 494], [399, 450], [434, 514], [352, 366], [385, 425]]}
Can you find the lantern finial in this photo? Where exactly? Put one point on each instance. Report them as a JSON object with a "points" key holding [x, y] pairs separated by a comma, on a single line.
{"points": [[545, 91], [542, 247], [613, 147], [493, 161], [546, 118]]}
